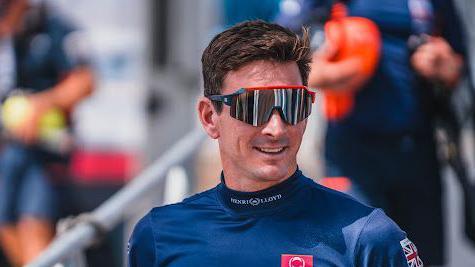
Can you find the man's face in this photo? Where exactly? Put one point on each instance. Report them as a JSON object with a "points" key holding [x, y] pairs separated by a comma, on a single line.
{"points": [[255, 158]]}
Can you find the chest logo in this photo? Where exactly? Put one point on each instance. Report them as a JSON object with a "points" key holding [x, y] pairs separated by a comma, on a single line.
{"points": [[289, 260]]}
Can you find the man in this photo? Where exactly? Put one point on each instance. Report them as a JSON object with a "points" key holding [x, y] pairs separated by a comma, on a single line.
{"points": [[385, 144], [264, 212], [43, 61]]}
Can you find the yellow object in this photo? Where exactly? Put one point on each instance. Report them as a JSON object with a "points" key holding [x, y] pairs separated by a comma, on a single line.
{"points": [[15, 111], [51, 123]]}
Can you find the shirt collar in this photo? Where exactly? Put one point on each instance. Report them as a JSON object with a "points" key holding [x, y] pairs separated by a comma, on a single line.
{"points": [[267, 200]]}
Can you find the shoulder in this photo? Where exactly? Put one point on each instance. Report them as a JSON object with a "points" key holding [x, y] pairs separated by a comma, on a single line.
{"points": [[195, 202], [340, 211], [157, 214], [336, 201], [375, 239], [177, 214], [56, 21], [141, 248], [378, 230], [205, 197], [382, 242], [160, 221]]}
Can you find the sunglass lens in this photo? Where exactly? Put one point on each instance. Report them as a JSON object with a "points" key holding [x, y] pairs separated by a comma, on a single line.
{"points": [[255, 106], [296, 105]]}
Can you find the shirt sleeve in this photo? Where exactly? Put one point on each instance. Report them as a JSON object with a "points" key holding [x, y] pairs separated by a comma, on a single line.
{"points": [[450, 26], [383, 243], [141, 246], [70, 45]]}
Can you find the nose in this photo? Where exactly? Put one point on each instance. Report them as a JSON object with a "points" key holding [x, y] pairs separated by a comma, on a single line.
{"points": [[275, 126]]}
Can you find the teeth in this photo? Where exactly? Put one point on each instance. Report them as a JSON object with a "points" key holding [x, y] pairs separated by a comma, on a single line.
{"points": [[271, 150]]}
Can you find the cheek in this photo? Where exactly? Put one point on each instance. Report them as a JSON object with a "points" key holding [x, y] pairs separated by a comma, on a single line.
{"points": [[241, 135], [233, 134], [296, 135]]}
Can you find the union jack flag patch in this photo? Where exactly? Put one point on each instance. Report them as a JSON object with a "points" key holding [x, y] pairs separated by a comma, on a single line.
{"points": [[410, 251]]}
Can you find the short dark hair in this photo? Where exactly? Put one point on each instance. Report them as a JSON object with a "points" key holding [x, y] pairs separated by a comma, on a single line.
{"points": [[250, 41]]}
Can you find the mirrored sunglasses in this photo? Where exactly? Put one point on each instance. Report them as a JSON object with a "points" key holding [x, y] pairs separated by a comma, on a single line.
{"points": [[254, 105]]}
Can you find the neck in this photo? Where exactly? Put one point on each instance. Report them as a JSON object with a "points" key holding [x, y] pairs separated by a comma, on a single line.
{"points": [[243, 183]]}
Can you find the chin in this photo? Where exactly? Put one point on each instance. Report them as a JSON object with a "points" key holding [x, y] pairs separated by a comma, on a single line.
{"points": [[273, 172]]}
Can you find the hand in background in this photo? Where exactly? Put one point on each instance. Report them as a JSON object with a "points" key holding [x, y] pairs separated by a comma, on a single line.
{"points": [[334, 74], [435, 60], [65, 95], [28, 130]]}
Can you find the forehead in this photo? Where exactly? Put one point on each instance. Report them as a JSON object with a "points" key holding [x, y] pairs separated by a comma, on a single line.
{"points": [[262, 73]]}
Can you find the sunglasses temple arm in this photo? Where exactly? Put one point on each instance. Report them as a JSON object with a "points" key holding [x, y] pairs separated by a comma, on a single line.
{"points": [[221, 98]]}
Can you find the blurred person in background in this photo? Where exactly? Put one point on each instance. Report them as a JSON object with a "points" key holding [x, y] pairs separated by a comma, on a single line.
{"points": [[464, 108], [380, 132], [43, 76], [239, 11], [264, 212]]}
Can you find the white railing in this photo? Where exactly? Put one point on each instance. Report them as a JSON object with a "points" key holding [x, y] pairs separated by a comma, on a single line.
{"points": [[116, 209]]}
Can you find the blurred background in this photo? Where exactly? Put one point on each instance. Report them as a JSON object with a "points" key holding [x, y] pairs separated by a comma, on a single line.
{"points": [[144, 60]]}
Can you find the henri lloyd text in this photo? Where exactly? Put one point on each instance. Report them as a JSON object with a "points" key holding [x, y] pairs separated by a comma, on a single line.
{"points": [[255, 201]]}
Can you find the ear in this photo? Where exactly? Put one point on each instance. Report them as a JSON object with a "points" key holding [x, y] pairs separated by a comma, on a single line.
{"points": [[208, 117]]}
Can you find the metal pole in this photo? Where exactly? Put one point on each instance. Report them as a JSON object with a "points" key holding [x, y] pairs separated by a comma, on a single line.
{"points": [[119, 206]]}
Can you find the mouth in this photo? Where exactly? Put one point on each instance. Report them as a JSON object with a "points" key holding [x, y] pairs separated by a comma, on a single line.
{"points": [[270, 150]]}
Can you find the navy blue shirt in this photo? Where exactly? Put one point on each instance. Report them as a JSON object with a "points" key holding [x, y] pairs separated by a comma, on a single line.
{"points": [[297, 219]]}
